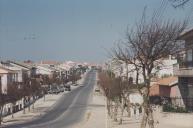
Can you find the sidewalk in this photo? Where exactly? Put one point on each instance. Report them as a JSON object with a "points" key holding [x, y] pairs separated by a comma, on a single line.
{"points": [[174, 120], [162, 120], [40, 107], [95, 116]]}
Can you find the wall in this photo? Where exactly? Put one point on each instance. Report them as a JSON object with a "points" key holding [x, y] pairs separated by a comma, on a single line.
{"points": [[136, 98], [42, 71], [154, 90], [19, 77], [4, 83], [166, 67], [175, 91], [164, 91]]}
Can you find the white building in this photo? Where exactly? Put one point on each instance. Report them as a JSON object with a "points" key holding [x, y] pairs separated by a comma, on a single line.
{"points": [[165, 68], [6, 77], [44, 70], [124, 70]]}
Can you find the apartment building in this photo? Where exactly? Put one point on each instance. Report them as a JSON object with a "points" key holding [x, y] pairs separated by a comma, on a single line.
{"points": [[184, 70]]}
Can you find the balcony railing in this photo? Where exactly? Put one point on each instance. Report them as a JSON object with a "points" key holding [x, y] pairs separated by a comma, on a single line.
{"points": [[184, 69]]}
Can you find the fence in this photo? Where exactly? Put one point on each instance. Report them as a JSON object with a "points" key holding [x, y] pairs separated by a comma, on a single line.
{"points": [[174, 101], [183, 102]]}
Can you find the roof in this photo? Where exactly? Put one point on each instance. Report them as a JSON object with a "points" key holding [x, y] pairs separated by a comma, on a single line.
{"points": [[169, 81], [20, 64], [50, 62], [4, 70], [45, 68], [186, 34], [8, 66]]}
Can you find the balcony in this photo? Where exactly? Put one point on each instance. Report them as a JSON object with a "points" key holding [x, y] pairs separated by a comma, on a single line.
{"points": [[184, 69]]}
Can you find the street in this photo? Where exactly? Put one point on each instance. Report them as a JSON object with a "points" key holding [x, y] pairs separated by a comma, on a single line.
{"points": [[68, 110]]}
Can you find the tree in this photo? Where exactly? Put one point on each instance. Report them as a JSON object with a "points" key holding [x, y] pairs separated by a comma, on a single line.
{"points": [[3, 101], [26, 92], [74, 76], [115, 90], [151, 40], [35, 89], [179, 3], [14, 94], [45, 81]]}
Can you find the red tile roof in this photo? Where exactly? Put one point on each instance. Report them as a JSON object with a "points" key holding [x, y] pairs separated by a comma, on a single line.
{"points": [[169, 81]]}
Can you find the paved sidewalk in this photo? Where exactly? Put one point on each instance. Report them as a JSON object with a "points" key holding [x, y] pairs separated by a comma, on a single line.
{"points": [[40, 107], [162, 120], [96, 115]]}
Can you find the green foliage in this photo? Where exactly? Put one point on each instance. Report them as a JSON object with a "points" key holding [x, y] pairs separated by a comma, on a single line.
{"points": [[176, 109], [166, 75]]}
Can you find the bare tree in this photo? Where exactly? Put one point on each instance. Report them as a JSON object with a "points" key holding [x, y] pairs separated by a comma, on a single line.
{"points": [[35, 89], [3, 101], [115, 90], [75, 75], [14, 94], [26, 92], [45, 81], [179, 3], [148, 42]]}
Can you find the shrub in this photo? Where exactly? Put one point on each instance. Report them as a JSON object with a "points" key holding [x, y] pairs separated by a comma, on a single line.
{"points": [[177, 109]]}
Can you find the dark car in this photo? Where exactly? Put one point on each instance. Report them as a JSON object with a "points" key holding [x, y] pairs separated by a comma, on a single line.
{"points": [[67, 88], [55, 91], [61, 89]]}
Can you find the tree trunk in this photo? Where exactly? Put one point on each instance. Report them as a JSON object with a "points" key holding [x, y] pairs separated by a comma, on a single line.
{"points": [[122, 110], [128, 111], [147, 117], [23, 110], [12, 113], [1, 114], [144, 120], [24, 105], [33, 105], [115, 112], [150, 118], [108, 107], [33, 102], [29, 108], [145, 114], [44, 97]]}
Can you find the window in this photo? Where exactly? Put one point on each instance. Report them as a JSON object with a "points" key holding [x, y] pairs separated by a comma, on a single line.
{"points": [[189, 55]]}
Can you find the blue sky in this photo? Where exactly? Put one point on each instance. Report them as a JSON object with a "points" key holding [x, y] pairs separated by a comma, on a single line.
{"points": [[61, 30]]}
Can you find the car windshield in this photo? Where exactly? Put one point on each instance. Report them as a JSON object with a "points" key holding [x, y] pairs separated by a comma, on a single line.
{"points": [[96, 63]]}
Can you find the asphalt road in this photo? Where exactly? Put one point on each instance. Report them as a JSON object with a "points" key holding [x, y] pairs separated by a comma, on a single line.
{"points": [[68, 110]]}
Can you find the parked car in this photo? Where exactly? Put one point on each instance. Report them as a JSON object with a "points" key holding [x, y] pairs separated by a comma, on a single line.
{"points": [[55, 91], [75, 84], [49, 91], [97, 90], [67, 88], [61, 89]]}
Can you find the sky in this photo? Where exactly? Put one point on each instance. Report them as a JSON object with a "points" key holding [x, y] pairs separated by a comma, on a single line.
{"points": [[78, 30]]}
